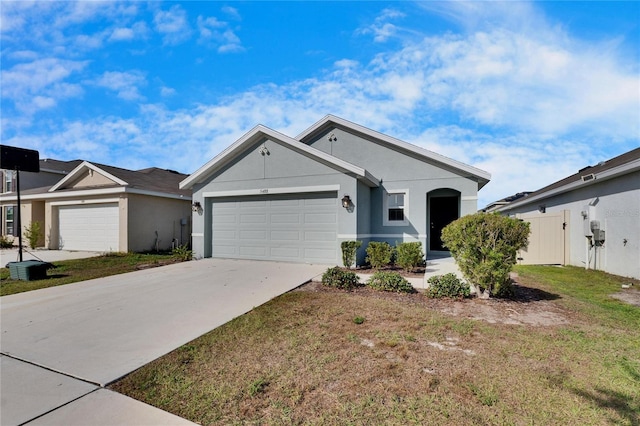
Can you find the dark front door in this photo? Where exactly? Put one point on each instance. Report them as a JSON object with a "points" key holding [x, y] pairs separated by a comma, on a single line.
{"points": [[443, 211]]}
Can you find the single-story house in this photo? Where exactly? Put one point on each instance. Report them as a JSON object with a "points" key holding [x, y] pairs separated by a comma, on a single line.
{"points": [[273, 197], [96, 207], [589, 219]]}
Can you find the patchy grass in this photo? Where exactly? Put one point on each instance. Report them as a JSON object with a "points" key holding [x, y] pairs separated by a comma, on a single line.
{"points": [[71, 271], [302, 359]]}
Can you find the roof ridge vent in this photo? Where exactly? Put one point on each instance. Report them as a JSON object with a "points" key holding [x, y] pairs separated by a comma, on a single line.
{"points": [[588, 178]]}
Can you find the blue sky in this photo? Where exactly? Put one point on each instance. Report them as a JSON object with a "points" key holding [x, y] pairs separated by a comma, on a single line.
{"points": [[528, 91]]}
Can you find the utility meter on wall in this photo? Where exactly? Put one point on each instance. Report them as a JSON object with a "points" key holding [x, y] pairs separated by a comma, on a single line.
{"points": [[598, 234]]}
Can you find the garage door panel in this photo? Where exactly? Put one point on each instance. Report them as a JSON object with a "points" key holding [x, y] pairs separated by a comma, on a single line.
{"points": [[253, 234], [285, 218], [280, 235], [317, 218], [282, 228], [251, 251], [313, 236]]}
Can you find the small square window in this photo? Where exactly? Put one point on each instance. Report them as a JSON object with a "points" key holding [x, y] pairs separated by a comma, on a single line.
{"points": [[395, 209]]}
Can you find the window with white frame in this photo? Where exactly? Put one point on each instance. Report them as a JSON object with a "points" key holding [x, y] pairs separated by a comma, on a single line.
{"points": [[395, 208], [8, 220], [7, 181]]}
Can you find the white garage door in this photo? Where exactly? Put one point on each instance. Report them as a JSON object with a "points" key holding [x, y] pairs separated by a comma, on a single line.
{"points": [[91, 227], [284, 228]]}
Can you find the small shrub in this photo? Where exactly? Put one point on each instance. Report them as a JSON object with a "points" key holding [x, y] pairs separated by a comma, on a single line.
{"points": [[349, 249], [5, 242], [390, 281], [379, 254], [409, 255], [33, 232], [182, 253], [339, 278], [358, 320], [447, 285]]}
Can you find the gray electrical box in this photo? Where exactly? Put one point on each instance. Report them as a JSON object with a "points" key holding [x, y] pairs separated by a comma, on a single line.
{"points": [[598, 237]]}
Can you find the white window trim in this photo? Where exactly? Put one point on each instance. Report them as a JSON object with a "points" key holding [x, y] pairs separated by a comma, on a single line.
{"points": [[385, 208]]}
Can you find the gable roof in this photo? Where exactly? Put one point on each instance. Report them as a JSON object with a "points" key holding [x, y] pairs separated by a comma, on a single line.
{"points": [[57, 166], [617, 166], [260, 132], [329, 120], [151, 181]]}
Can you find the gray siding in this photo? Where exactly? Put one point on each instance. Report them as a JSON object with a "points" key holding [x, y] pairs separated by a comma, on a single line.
{"points": [[617, 208]]}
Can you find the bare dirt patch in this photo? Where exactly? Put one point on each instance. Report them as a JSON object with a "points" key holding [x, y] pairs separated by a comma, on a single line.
{"points": [[630, 296], [529, 306]]}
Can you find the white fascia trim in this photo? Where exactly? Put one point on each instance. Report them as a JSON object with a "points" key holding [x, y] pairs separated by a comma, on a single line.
{"points": [[84, 202], [197, 234], [73, 194], [78, 170], [599, 177], [157, 194], [271, 191], [397, 142], [94, 192], [261, 131]]}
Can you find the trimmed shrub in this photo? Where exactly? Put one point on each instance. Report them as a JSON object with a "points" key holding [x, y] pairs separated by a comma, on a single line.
{"points": [[33, 232], [339, 278], [5, 242], [485, 246], [409, 255], [447, 285], [379, 254], [390, 281], [349, 249]]}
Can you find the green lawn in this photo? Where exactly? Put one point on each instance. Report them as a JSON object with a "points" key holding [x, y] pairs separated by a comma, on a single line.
{"points": [[321, 356], [71, 271]]}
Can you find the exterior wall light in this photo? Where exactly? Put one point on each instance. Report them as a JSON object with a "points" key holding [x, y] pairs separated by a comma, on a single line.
{"points": [[346, 201], [196, 206]]}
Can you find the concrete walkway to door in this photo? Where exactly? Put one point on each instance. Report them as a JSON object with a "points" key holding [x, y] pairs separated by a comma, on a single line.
{"points": [[61, 345]]}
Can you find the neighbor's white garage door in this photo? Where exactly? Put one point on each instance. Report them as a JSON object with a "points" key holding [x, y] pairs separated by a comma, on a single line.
{"points": [[282, 228], [91, 227]]}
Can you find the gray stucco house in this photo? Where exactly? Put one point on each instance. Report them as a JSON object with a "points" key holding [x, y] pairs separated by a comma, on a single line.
{"points": [[589, 219], [272, 197]]}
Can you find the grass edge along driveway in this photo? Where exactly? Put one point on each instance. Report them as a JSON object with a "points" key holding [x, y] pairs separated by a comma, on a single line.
{"points": [[71, 271], [302, 359]]}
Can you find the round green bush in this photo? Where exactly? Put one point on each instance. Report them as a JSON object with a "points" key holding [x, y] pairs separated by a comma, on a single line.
{"points": [[339, 278], [390, 281], [447, 285]]}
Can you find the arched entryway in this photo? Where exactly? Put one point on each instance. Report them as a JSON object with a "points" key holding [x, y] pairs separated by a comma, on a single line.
{"points": [[443, 207]]}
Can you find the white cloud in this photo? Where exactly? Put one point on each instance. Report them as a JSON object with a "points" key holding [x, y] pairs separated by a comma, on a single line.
{"points": [[28, 84], [173, 24], [125, 84], [218, 34], [381, 29]]}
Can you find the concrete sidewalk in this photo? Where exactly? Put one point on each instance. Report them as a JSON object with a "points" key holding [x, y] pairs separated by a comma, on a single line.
{"points": [[84, 336], [11, 255]]}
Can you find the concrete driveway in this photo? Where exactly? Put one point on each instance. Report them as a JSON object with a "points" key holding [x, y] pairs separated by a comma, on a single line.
{"points": [[88, 334]]}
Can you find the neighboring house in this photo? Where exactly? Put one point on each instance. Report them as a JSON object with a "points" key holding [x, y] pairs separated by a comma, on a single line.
{"points": [[589, 219], [51, 171], [95, 207], [269, 196], [490, 208]]}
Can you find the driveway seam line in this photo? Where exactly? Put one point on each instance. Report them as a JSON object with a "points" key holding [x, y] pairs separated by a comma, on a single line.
{"points": [[58, 407], [44, 367]]}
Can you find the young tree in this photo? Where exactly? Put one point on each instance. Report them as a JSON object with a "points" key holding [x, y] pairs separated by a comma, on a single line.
{"points": [[33, 232], [485, 248]]}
